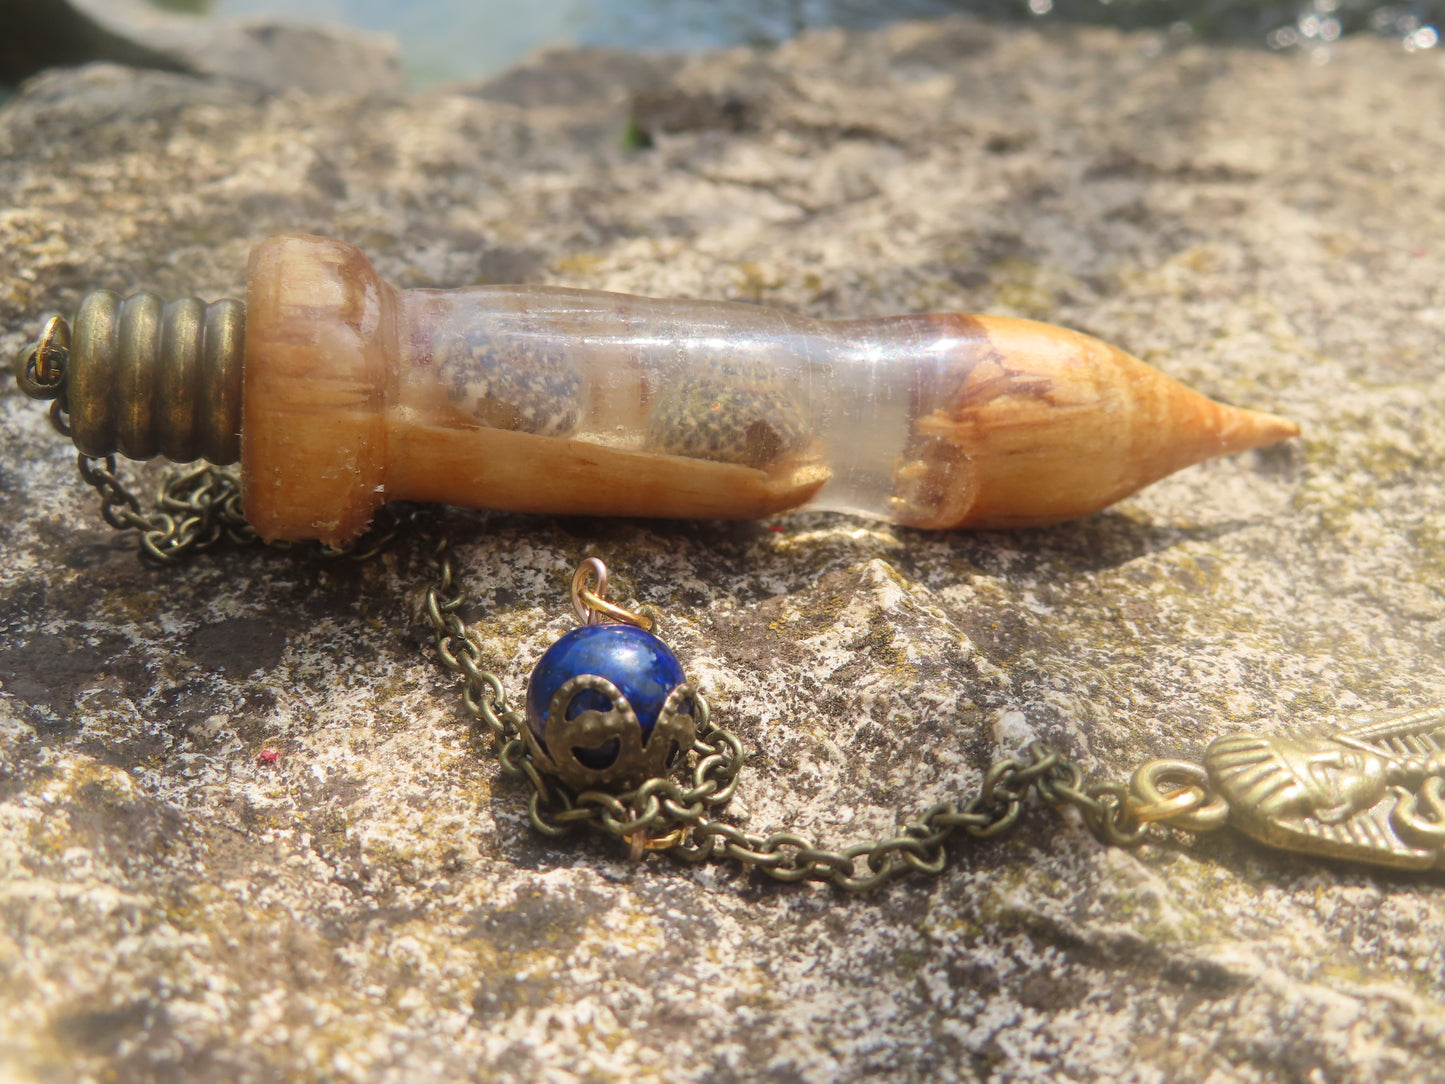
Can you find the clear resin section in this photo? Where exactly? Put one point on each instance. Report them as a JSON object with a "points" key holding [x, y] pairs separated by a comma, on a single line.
{"points": [[738, 409]]}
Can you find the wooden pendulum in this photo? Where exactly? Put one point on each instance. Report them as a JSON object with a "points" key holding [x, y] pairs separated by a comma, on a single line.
{"points": [[338, 392]]}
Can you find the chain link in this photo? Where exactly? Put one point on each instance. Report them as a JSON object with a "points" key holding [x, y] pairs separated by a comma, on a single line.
{"points": [[682, 818], [194, 509], [198, 507]]}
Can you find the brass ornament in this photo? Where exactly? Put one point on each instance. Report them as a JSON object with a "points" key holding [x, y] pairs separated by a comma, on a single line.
{"points": [[1370, 792], [146, 378], [634, 758]]}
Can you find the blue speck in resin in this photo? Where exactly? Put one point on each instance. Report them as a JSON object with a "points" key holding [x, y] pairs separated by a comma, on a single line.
{"points": [[637, 662]]}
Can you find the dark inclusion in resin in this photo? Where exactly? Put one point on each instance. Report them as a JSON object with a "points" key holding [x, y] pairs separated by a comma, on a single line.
{"points": [[513, 382], [736, 413]]}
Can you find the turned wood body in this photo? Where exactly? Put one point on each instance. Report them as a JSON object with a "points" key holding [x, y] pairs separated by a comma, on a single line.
{"points": [[539, 399]]}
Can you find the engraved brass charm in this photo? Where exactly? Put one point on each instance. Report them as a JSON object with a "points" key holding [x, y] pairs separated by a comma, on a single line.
{"points": [[599, 749], [1370, 792]]}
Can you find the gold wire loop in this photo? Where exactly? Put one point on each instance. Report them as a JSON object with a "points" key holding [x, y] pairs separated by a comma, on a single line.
{"points": [[592, 605], [639, 842], [40, 368], [591, 568], [1184, 800], [1189, 803], [50, 348]]}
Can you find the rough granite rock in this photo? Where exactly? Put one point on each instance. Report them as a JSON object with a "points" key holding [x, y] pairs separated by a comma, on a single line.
{"points": [[372, 906]]}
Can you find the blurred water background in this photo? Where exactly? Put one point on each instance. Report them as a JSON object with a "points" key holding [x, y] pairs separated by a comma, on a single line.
{"points": [[445, 40]]}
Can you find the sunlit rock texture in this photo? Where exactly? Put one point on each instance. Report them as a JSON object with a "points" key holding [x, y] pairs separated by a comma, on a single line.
{"points": [[246, 834]]}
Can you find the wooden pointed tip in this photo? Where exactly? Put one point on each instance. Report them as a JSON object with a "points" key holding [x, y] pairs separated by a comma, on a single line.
{"points": [[1244, 429], [1284, 428]]}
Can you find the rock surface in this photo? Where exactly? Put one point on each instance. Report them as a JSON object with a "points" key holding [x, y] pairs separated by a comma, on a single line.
{"points": [[270, 55], [371, 906]]}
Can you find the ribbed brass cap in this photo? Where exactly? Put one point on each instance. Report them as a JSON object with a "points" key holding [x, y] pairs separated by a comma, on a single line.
{"points": [[146, 378]]}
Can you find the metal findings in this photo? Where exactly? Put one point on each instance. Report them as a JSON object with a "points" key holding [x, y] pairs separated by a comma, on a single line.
{"points": [[40, 371], [608, 703], [591, 606], [1370, 792], [144, 378], [40, 368]]}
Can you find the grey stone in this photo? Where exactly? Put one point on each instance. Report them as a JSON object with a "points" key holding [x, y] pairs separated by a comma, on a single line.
{"points": [[268, 54], [373, 907], [98, 105]]}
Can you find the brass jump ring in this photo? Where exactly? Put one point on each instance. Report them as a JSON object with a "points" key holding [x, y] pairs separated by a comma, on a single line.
{"points": [[54, 337], [1191, 805], [643, 841], [590, 568], [40, 368], [1182, 800], [592, 605]]}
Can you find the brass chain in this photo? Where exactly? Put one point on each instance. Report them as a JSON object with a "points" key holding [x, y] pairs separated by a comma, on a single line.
{"points": [[199, 507], [682, 819], [194, 509]]}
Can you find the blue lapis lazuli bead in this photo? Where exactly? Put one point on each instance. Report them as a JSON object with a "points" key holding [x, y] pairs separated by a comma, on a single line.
{"points": [[637, 662]]}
